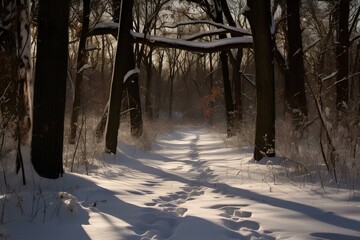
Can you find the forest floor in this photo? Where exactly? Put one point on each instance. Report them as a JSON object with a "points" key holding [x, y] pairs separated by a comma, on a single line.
{"points": [[192, 185]]}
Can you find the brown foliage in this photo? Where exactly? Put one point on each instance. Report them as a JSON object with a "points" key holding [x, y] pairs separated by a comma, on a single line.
{"points": [[207, 102]]}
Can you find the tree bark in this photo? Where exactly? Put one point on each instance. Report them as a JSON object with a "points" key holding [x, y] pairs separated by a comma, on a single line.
{"points": [[226, 78], [132, 87], [238, 109], [50, 88], [260, 22], [294, 83], [120, 69], [236, 67], [342, 57], [81, 59], [148, 102]]}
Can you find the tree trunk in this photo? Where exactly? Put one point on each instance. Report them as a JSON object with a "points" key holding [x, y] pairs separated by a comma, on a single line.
{"points": [[120, 69], [132, 87], [236, 67], [342, 57], [237, 87], [260, 22], [50, 88], [212, 101], [79, 71], [226, 78], [171, 81], [116, 5], [148, 102], [228, 96], [158, 90], [357, 78], [295, 84]]}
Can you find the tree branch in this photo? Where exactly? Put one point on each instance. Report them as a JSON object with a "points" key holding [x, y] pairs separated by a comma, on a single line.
{"points": [[163, 42]]}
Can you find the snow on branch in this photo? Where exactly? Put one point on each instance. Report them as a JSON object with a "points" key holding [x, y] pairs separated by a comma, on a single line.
{"points": [[131, 74], [164, 42], [203, 47], [104, 28]]}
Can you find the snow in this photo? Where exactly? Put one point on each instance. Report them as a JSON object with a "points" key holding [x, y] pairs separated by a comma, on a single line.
{"points": [[193, 184], [131, 73], [215, 45], [184, 44]]}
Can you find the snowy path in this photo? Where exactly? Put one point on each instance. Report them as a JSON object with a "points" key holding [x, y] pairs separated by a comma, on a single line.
{"points": [[177, 206], [179, 198], [190, 187]]}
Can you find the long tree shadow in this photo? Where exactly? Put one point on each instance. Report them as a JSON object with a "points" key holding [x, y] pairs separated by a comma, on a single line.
{"points": [[223, 188], [146, 222], [333, 236]]}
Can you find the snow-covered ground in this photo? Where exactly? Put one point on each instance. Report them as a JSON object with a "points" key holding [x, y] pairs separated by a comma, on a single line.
{"points": [[192, 185]]}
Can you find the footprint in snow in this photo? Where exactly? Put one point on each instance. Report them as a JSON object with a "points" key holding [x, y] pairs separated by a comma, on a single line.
{"points": [[235, 219]]}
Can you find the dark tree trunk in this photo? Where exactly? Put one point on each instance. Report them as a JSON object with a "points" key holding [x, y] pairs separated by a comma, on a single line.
{"points": [[236, 67], [158, 90], [148, 102], [79, 71], [171, 81], [120, 69], [228, 96], [260, 22], [212, 101], [357, 78], [237, 87], [116, 10], [226, 78], [295, 85], [50, 88], [132, 87], [342, 57]]}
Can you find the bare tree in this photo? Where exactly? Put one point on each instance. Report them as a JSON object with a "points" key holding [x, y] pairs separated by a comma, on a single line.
{"points": [[50, 88], [259, 16], [342, 55], [119, 72], [295, 85], [81, 59]]}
